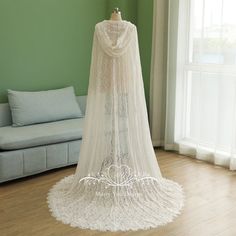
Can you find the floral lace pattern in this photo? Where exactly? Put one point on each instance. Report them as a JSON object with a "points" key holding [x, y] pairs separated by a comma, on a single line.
{"points": [[145, 205]]}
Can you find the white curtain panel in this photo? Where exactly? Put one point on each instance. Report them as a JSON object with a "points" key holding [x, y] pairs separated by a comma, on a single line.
{"points": [[201, 81], [157, 106], [162, 90]]}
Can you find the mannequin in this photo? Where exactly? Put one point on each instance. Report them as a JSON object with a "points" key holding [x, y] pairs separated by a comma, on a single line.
{"points": [[116, 15]]}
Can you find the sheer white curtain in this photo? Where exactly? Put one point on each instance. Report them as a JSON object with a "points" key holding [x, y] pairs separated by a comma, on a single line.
{"points": [[201, 80]]}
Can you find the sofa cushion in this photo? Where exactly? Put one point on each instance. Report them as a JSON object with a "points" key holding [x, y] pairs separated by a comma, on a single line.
{"points": [[41, 134], [43, 106]]}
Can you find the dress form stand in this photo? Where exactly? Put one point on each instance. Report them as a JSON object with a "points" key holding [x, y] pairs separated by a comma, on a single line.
{"points": [[116, 14], [110, 159]]}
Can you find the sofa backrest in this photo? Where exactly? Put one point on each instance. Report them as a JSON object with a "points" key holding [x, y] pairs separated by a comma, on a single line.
{"points": [[5, 113]]}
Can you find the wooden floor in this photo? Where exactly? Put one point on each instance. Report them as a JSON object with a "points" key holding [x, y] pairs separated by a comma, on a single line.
{"points": [[210, 205]]}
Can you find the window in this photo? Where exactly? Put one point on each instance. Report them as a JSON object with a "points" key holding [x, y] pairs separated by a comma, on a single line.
{"points": [[206, 83], [212, 32]]}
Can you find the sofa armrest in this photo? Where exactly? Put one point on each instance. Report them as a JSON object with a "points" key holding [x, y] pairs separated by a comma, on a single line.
{"points": [[5, 115], [82, 103]]}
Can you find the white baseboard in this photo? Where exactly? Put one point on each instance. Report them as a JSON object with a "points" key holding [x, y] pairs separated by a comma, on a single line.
{"points": [[158, 143]]}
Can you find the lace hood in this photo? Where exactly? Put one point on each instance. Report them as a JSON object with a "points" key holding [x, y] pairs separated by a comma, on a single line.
{"points": [[114, 36]]}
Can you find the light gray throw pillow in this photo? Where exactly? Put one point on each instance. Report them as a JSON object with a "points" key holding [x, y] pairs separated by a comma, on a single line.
{"points": [[44, 106]]}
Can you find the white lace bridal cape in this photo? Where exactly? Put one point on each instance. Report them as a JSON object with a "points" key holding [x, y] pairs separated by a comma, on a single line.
{"points": [[117, 184]]}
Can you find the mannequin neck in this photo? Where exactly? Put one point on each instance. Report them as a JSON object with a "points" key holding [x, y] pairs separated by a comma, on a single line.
{"points": [[116, 16]]}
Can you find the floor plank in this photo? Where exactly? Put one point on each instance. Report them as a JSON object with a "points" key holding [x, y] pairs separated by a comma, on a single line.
{"points": [[210, 208]]}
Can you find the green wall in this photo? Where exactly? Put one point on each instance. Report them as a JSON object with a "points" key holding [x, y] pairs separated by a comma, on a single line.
{"points": [[46, 44], [144, 25]]}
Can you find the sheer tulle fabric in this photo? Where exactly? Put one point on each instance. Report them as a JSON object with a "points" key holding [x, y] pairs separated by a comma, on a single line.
{"points": [[118, 184]]}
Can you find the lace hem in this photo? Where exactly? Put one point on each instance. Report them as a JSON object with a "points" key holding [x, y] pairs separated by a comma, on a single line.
{"points": [[147, 205]]}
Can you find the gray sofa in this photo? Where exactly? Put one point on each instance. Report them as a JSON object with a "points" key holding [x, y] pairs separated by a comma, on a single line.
{"points": [[37, 148]]}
